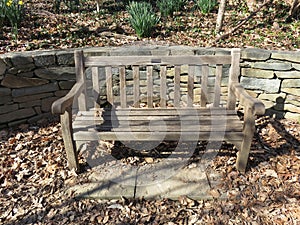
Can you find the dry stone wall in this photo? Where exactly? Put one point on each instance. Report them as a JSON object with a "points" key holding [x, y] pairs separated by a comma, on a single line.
{"points": [[31, 81], [273, 77]]}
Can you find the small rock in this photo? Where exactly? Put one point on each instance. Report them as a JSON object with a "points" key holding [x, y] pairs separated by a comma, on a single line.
{"points": [[214, 193], [149, 160]]}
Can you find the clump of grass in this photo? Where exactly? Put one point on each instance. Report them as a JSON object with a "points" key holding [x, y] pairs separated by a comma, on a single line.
{"points": [[206, 5], [168, 7], [142, 18]]}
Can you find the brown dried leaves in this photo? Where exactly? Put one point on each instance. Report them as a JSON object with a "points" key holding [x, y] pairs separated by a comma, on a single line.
{"points": [[34, 174]]}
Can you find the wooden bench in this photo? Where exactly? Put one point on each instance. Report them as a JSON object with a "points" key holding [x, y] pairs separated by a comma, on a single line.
{"points": [[206, 114]]}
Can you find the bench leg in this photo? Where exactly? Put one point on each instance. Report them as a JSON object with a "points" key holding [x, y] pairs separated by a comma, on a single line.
{"points": [[249, 128], [66, 125]]}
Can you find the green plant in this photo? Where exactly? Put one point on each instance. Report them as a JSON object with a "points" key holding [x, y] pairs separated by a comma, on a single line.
{"points": [[11, 11], [206, 5], [142, 18], [168, 7]]}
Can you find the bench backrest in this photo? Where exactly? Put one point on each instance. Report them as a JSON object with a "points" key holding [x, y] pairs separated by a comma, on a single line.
{"points": [[126, 81]]}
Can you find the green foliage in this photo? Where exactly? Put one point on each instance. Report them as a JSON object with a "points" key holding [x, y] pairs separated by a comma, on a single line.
{"points": [[168, 7], [142, 18], [11, 11], [206, 5]]}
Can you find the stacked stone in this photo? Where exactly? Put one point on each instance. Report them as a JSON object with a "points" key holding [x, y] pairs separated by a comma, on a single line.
{"points": [[273, 77], [30, 82]]}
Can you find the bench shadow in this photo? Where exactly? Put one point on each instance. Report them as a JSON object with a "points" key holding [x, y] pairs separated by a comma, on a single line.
{"points": [[276, 111], [263, 150], [285, 143]]}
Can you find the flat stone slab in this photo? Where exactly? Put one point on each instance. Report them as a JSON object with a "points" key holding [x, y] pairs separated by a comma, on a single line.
{"points": [[167, 179], [171, 182], [151, 178], [101, 190]]}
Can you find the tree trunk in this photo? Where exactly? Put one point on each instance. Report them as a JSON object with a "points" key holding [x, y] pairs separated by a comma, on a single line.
{"points": [[220, 16], [295, 7]]}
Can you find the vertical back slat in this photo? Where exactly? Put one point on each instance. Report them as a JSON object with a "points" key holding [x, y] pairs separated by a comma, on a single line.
{"points": [[233, 76], [79, 66], [218, 86], [163, 86], [190, 85], [204, 83], [109, 85], [177, 86], [136, 86], [123, 98], [96, 89], [150, 86]]}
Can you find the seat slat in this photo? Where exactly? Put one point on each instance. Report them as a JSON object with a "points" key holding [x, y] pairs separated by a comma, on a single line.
{"points": [[153, 136], [160, 112], [188, 121], [156, 128], [153, 117], [168, 128]]}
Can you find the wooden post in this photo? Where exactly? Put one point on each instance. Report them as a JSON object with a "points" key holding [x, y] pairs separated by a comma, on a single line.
{"points": [[248, 132], [67, 132]]}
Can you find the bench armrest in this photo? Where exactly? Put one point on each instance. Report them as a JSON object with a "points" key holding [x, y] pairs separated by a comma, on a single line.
{"points": [[61, 104], [253, 104]]}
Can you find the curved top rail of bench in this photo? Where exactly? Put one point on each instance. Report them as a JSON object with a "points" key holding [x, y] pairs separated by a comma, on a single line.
{"points": [[155, 60]]}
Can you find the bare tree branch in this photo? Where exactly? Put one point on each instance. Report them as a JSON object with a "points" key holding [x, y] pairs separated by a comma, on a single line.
{"points": [[243, 21]]}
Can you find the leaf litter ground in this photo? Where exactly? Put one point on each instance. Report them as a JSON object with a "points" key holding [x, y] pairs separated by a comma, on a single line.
{"points": [[43, 28], [34, 177]]}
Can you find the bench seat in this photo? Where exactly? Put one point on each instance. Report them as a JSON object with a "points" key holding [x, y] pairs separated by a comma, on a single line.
{"points": [[190, 124]]}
